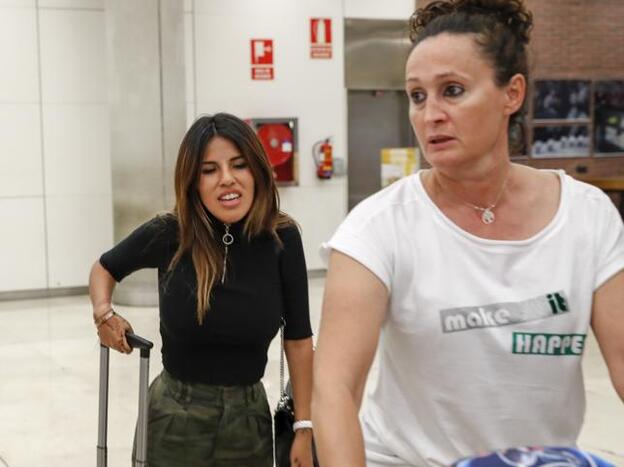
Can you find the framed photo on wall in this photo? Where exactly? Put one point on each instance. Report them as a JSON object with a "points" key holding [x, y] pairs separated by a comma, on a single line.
{"points": [[609, 118], [560, 141], [566, 100]]}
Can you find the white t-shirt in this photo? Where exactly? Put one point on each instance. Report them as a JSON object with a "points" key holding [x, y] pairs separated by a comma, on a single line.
{"points": [[481, 346]]}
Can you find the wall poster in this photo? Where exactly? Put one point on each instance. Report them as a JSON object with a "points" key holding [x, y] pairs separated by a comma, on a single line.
{"points": [[561, 100], [561, 141], [609, 118]]}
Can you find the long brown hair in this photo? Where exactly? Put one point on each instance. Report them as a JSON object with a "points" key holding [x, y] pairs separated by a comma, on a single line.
{"points": [[195, 227]]}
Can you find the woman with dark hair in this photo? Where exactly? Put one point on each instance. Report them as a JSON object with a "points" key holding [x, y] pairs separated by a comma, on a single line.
{"points": [[230, 267], [479, 278]]}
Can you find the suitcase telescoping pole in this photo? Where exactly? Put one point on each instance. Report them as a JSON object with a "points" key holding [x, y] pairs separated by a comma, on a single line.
{"points": [[103, 407], [141, 452]]}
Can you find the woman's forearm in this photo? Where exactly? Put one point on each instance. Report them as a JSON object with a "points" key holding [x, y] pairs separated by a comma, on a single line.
{"points": [[300, 354], [337, 429], [101, 286], [354, 307]]}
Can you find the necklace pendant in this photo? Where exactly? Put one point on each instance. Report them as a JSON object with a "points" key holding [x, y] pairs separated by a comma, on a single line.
{"points": [[487, 216]]}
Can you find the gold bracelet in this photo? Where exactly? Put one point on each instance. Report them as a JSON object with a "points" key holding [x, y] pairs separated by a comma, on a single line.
{"points": [[105, 317]]}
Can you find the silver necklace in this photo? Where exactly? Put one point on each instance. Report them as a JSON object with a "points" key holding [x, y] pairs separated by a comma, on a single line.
{"points": [[487, 215], [227, 240]]}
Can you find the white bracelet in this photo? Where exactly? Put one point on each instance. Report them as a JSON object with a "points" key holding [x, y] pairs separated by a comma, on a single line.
{"points": [[301, 424]]}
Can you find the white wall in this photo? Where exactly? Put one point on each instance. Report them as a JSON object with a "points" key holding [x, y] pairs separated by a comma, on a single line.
{"points": [[55, 174], [310, 90], [386, 9], [55, 195], [22, 236]]}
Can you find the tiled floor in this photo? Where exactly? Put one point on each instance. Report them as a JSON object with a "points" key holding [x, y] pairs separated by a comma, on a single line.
{"points": [[49, 357]]}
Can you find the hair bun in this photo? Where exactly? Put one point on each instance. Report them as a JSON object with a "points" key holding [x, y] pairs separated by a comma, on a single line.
{"points": [[512, 13]]}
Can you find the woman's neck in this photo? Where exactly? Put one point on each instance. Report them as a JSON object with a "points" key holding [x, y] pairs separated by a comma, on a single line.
{"points": [[219, 225], [482, 188]]}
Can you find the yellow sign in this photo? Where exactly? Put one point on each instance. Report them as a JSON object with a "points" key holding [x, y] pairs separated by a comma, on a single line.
{"points": [[397, 163]]}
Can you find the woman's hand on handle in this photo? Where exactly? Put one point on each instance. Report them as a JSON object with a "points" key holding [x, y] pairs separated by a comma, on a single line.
{"points": [[113, 334], [111, 327]]}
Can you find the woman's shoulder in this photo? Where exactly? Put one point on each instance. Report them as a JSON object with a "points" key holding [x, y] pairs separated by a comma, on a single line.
{"points": [[584, 188], [163, 226], [577, 192], [164, 221], [392, 201], [287, 228]]}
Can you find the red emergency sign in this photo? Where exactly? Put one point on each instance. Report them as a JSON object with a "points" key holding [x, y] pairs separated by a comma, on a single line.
{"points": [[262, 59], [320, 38], [262, 51]]}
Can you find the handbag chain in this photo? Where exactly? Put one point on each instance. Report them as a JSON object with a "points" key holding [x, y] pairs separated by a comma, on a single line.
{"points": [[282, 356]]}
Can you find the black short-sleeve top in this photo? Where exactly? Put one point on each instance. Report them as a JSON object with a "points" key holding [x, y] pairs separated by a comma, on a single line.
{"points": [[263, 282]]}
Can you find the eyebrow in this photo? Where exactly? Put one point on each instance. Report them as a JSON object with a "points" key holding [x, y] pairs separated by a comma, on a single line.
{"points": [[440, 76], [230, 160]]}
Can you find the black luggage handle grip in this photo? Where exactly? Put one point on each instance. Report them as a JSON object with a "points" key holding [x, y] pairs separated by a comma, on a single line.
{"points": [[138, 342]]}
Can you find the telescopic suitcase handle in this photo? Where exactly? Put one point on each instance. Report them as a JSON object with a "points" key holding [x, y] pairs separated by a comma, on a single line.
{"points": [[145, 346], [138, 342]]}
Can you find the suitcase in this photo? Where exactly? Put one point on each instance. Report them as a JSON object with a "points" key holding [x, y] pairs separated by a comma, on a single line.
{"points": [[144, 345]]}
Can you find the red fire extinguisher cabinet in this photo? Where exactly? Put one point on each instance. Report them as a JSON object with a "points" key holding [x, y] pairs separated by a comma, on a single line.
{"points": [[279, 139]]}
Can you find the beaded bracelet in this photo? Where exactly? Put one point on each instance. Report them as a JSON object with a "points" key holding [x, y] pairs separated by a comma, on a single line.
{"points": [[105, 317]]}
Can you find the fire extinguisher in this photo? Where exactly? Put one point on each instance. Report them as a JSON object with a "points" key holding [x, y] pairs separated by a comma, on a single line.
{"points": [[322, 153]]}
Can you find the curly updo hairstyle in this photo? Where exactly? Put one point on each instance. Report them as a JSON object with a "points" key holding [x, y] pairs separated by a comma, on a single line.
{"points": [[502, 32]]}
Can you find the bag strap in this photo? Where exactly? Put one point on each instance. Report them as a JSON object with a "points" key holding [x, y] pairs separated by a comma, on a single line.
{"points": [[282, 355]]}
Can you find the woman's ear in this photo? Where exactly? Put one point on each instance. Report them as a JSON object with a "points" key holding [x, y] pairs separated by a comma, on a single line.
{"points": [[515, 91]]}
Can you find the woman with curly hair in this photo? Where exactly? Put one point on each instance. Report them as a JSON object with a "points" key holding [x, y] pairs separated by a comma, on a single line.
{"points": [[476, 280]]}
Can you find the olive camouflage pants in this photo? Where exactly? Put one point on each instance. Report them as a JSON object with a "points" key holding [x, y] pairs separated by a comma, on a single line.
{"points": [[193, 425]]}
